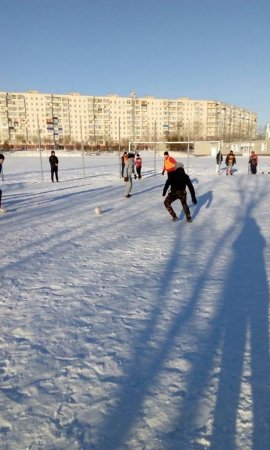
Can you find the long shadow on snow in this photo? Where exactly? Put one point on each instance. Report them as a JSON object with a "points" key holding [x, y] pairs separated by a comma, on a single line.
{"points": [[245, 315], [239, 310], [147, 363], [61, 237], [51, 202], [242, 319], [203, 200], [139, 376]]}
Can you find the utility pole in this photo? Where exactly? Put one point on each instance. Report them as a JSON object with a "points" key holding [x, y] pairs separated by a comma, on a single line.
{"points": [[39, 144], [94, 118], [119, 148], [221, 133], [133, 96], [82, 148]]}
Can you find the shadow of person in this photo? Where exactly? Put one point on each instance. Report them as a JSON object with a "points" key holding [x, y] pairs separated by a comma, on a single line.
{"points": [[203, 200], [245, 330]]}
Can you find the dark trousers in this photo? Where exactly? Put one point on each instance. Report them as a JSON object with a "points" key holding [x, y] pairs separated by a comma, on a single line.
{"points": [[138, 170], [122, 171], [54, 170], [253, 168], [0, 197], [171, 197]]}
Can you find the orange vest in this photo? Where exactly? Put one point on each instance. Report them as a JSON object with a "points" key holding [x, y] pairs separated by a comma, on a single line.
{"points": [[169, 164]]}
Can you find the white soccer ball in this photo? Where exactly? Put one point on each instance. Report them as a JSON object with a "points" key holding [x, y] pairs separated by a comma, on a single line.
{"points": [[98, 210]]}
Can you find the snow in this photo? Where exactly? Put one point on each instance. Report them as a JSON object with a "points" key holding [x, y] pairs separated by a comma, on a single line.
{"points": [[124, 330]]}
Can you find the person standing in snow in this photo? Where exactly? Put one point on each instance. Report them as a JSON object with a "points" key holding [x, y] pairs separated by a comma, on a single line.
{"points": [[1, 163], [219, 159], [169, 163], [129, 171], [230, 161], [138, 165], [178, 180], [53, 160], [253, 162], [123, 161]]}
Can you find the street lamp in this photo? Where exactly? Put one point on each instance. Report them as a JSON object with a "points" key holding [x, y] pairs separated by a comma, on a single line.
{"points": [[250, 131], [133, 96], [39, 145], [221, 133]]}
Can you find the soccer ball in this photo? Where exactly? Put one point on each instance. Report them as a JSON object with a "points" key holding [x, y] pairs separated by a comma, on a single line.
{"points": [[98, 210]]}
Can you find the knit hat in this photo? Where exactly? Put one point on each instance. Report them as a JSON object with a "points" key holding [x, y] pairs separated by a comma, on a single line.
{"points": [[178, 165]]}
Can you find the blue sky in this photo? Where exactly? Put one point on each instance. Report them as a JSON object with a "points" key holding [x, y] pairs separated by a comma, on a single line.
{"points": [[205, 49]]}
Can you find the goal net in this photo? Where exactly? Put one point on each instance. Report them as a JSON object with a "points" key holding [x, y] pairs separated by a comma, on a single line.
{"points": [[159, 146]]}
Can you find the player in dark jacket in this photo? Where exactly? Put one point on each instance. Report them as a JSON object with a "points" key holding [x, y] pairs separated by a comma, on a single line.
{"points": [[54, 165], [178, 180]]}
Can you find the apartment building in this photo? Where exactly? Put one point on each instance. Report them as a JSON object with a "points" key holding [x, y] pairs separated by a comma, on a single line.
{"points": [[30, 117]]}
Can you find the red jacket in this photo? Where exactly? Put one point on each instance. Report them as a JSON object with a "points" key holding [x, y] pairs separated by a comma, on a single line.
{"points": [[253, 159], [138, 161]]}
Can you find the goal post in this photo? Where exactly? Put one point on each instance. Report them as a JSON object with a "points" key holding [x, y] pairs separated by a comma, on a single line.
{"points": [[154, 143]]}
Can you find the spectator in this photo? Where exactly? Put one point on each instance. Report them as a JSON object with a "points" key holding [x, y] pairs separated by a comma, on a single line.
{"points": [[129, 170], [253, 162], [230, 161], [123, 161], [54, 166], [138, 165], [219, 159]]}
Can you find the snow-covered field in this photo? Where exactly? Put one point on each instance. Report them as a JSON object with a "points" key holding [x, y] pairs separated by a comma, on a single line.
{"points": [[126, 331]]}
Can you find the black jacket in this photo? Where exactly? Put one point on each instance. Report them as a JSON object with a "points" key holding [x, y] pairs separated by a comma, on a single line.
{"points": [[219, 158], [53, 161], [179, 180]]}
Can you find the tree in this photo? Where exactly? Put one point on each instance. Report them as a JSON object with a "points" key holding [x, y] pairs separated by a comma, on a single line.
{"points": [[176, 147], [197, 130], [66, 139], [6, 145], [21, 138]]}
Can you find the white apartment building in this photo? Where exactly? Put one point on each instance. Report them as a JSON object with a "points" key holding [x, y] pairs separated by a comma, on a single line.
{"points": [[267, 131], [30, 117]]}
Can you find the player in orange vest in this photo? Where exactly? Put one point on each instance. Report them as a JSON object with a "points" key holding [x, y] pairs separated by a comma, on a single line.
{"points": [[169, 163]]}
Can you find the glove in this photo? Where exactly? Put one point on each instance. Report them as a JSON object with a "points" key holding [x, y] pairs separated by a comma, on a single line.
{"points": [[162, 172], [126, 179], [194, 201], [163, 194]]}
